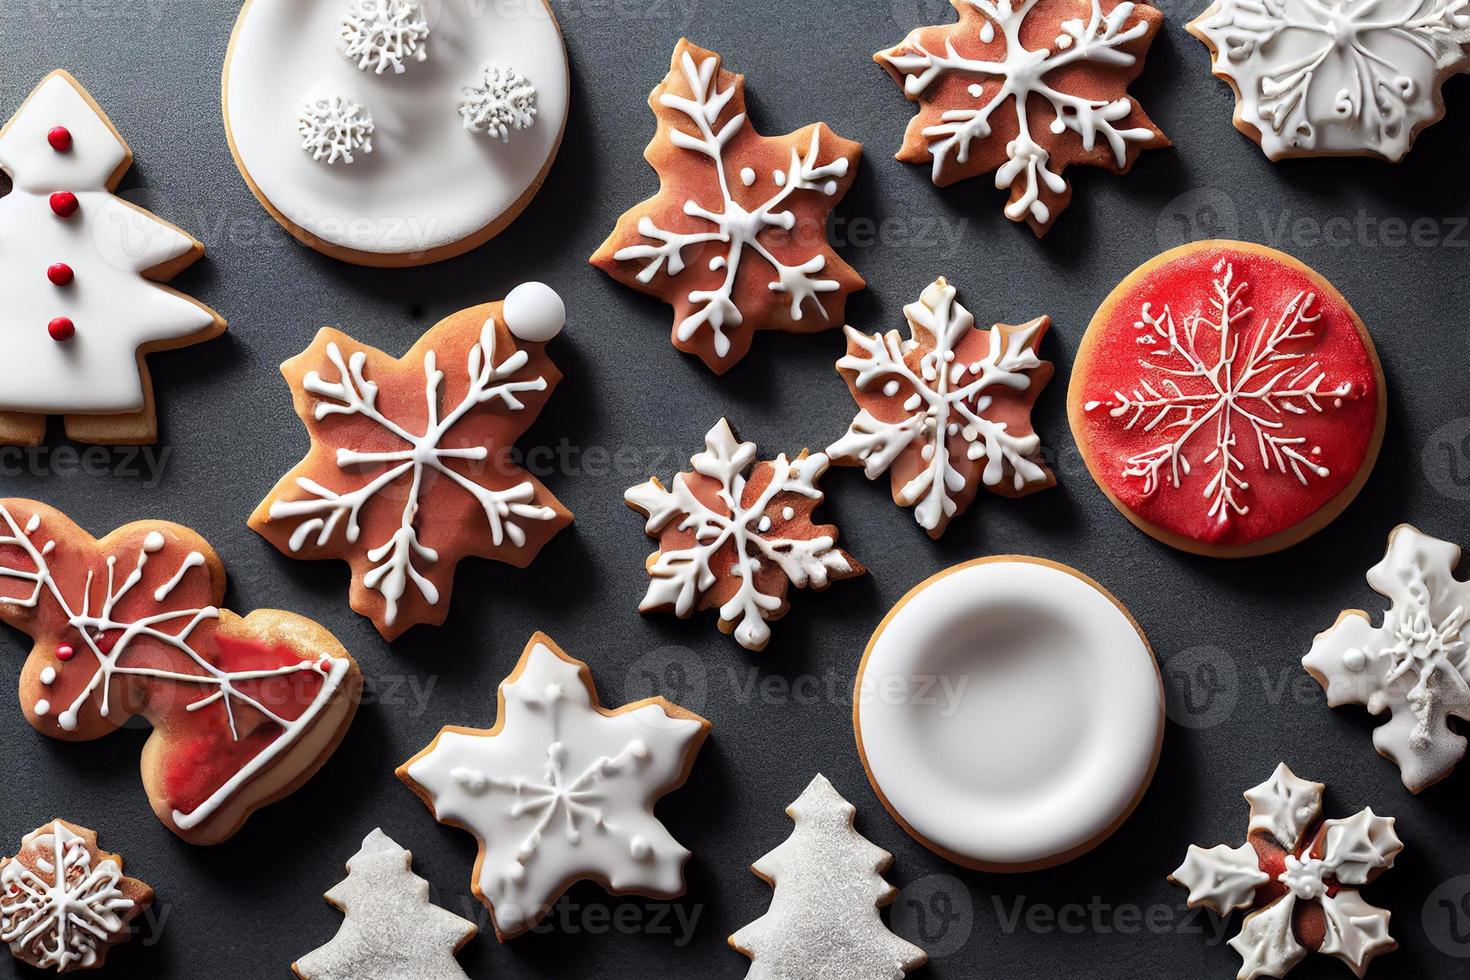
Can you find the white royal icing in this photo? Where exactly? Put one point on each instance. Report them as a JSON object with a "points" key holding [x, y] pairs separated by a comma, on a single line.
{"points": [[1009, 712], [1337, 76], [383, 34], [499, 100], [334, 129], [428, 183], [561, 791], [107, 242]]}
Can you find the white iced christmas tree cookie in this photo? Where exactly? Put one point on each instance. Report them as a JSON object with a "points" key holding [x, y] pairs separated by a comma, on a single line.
{"points": [[561, 789], [1311, 862], [1415, 664], [824, 921], [391, 930]]}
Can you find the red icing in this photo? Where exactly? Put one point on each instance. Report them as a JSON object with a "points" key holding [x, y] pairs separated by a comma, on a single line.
{"points": [[61, 329], [64, 203], [60, 139], [1339, 438], [60, 274]]}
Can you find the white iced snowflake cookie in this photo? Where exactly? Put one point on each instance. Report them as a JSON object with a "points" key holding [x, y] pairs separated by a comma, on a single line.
{"points": [[499, 100], [391, 930], [561, 789], [824, 921], [334, 129], [1415, 664], [1336, 77], [382, 34], [1313, 862]]}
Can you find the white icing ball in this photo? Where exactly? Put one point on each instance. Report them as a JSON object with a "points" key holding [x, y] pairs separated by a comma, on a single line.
{"points": [[48, 676], [43, 708], [640, 849], [1354, 659], [68, 720], [534, 312], [153, 542]]}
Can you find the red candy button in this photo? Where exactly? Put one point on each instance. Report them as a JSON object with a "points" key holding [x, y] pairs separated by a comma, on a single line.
{"points": [[60, 139], [64, 203], [61, 329], [60, 274], [64, 653]]}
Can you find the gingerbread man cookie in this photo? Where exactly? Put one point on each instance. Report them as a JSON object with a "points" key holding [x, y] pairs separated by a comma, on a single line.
{"points": [[244, 710], [736, 238], [410, 468]]}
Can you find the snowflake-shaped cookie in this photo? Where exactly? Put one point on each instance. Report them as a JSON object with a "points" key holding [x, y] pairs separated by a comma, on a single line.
{"points": [[735, 544], [64, 902], [1336, 77], [561, 789], [1415, 664], [736, 238], [1298, 874], [946, 410], [410, 468], [1027, 88]]}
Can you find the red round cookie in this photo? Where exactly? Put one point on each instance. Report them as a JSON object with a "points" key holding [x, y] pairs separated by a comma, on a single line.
{"points": [[1227, 399]]}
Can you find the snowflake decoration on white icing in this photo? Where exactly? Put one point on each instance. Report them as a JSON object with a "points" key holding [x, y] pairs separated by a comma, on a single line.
{"points": [[740, 230], [1323, 862], [69, 910], [1415, 665], [501, 99], [1211, 376], [1337, 76], [383, 34], [742, 531], [334, 129], [938, 402]]}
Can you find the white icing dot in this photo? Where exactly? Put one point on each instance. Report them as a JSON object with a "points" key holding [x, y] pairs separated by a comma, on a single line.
{"points": [[764, 524], [516, 872], [68, 720], [747, 176], [780, 177], [43, 707], [1355, 659], [534, 312], [977, 90], [891, 388], [640, 849], [637, 749], [48, 676], [153, 542], [787, 513]]}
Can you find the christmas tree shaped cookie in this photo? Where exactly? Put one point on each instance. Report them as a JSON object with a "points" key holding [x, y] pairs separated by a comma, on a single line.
{"points": [[391, 931], [80, 273], [824, 922]]}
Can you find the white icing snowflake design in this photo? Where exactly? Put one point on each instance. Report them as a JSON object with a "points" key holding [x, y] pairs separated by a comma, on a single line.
{"points": [[71, 911], [334, 129], [940, 402], [1337, 76], [1219, 376], [383, 34], [740, 230], [501, 99], [1323, 860], [561, 790], [1415, 665]]}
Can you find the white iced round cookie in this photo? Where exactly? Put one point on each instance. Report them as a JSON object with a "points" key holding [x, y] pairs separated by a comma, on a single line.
{"points": [[534, 312], [1009, 713], [430, 189]]}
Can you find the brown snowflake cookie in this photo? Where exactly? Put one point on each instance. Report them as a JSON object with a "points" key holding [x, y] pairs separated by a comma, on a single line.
{"points": [[735, 544], [1027, 88], [736, 238], [410, 468], [64, 902]]}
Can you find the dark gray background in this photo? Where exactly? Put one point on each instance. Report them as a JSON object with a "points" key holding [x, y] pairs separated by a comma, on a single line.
{"points": [[247, 908]]}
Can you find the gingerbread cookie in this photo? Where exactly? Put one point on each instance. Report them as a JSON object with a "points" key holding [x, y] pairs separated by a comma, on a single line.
{"points": [[561, 789], [1228, 400], [1336, 79], [391, 930], [829, 883], [1009, 713], [395, 132], [1026, 88], [947, 409], [410, 468], [1298, 875], [735, 544], [64, 902], [81, 274], [244, 710], [736, 238], [1415, 665]]}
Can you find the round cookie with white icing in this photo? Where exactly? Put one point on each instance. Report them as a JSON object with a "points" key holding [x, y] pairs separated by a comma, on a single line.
{"points": [[1228, 400], [561, 789], [463, 107], [1009, 713]]}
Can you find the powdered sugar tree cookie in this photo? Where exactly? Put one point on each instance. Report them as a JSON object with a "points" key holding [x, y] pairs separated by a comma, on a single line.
{"points": [[1336, 77], [81, 273], [1027, 88], [946, 410], [561, 789], [1298, 875], [243, 709], [411, 464], [391, 930], [734, 543], [1415, 664], [64, 902], [824, 921], [736, 238]]}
